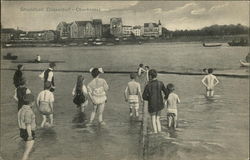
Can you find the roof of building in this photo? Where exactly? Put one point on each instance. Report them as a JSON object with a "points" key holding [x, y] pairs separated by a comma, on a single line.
{"points": [[97, 21], [82, 23], [147, 24]]}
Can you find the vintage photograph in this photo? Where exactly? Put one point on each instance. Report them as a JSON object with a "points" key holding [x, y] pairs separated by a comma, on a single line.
{"points": [[124, 80]]}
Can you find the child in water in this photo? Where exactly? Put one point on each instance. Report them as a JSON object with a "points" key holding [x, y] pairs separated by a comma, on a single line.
{"points": [[132, 94], [171, 105], [210, 81], [45, 100]]}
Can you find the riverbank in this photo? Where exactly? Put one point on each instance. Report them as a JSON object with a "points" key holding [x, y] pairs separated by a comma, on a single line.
{"points": [[139, 41]]}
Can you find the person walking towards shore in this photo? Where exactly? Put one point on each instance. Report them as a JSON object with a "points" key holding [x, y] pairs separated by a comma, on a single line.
{"points": [[20, 92], [132, 94], [97, 89], [18, 75], [44, 102], [153, 99], [80, 94], [210, 81], [48, 76], [27, 124]]}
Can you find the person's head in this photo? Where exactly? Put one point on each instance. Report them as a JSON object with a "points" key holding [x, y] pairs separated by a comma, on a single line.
{"points": [[28, 99], [147, 67], [47, 85], [20, 67], [95, 72], [140, 65], [170, 87], [204, 70], [22, 81], [132, 75], [210, 70], [52, 64], [152, 73]]}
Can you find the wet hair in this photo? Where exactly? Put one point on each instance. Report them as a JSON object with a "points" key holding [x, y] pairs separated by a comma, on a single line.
{"points": [[152, 73], [170, 87], [52, 64], [47, 85], [22, 81], [141, 65], [147, 67], [95, 72], [210, 70], [79, 83], [19, 66], [132, 75]]}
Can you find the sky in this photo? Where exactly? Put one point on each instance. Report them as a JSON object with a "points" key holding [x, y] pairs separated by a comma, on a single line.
{"points": [[174, 15]]}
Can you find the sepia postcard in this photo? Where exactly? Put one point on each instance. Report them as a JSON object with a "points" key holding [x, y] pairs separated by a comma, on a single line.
{"points": [[124, 80]]}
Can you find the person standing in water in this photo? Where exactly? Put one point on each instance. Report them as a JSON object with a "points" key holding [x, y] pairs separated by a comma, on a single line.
{"points": [[132, 95], [48, 76], [27, 124], [153, 99], [18, 75], [97, 89], [210, 81]]}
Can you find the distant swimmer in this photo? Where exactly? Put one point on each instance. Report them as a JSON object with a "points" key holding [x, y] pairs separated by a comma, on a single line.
{"points": [[210, 81]]}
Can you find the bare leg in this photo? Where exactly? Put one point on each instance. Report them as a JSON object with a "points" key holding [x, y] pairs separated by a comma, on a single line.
{"points": [[208, 93], [101, 109], [153, 118], [175, 121], [82, 108], [44, 120], [211, 93], [169, 121], [158, 123], [130, 110], [28, 147], [51, 119], [92, 117]]}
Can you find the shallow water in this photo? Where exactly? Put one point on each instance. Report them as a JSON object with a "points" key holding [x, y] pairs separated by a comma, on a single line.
{"points": [[210, 129]]}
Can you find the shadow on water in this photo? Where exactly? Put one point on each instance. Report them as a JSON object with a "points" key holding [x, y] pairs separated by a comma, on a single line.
{"points": [[79, 120], [46, 135]]}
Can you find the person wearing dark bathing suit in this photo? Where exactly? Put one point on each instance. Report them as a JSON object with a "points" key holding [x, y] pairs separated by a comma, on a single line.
{"points": [[18, 75], [48, 76]]}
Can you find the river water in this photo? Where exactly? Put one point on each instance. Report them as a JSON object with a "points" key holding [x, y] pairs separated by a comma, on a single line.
{"points": [[211, 129]]}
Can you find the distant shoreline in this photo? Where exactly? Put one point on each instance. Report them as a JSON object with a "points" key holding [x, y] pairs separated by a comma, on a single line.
{"points": [[80, 43]]}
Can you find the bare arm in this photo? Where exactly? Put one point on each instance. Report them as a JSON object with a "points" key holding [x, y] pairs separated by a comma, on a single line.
{"points": [[51, 106], [216, 81], [15, 95], [126, 94], [203, 81], [28, 128]]}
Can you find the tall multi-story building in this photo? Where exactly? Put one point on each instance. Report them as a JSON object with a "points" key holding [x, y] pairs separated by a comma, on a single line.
{"points": [[97, 24], [82, 29], [64, 30], [126, 31], [116, 27], [152, 29]]}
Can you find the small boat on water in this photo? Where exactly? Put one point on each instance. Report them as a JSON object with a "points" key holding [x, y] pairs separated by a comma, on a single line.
{"points": [[9, 56], [211, 44], [34, 61], [244, 63]]}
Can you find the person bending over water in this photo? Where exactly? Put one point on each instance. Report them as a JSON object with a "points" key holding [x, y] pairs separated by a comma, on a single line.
{"points": [[210, 81], [97, 89]]}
